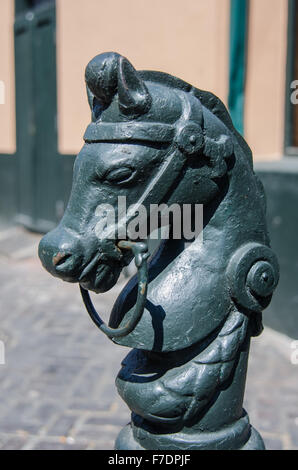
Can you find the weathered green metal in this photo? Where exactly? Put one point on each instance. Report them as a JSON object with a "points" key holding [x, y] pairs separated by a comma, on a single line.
{"points": [[156, 139]]}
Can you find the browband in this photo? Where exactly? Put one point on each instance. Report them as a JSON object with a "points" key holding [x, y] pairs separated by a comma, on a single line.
{"points": [[126, 131]]}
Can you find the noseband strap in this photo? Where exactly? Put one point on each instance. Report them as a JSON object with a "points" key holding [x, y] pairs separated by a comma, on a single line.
{"points": [[140, 251]]}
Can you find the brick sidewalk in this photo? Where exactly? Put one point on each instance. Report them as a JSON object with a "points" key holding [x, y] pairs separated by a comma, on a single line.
{"points": [[57, 386]]}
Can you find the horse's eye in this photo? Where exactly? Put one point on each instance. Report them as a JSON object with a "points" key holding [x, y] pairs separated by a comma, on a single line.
{"points": [[120, 175]]}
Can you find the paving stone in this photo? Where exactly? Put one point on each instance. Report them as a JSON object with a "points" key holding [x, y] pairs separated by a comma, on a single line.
{"points": [[273, 443], [3, 441], [101, 433], [63, 425], [104, 403], [15, 443], [59, 445], [104, 445], [113, 419], [293, 430]]}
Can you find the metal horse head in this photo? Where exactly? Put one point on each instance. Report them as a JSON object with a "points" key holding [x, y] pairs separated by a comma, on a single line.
{"points": [[155, 139]]}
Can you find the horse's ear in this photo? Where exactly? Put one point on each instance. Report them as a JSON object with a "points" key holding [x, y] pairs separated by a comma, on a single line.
{"points": [[101, 77], [110, 72], [134, 97]]}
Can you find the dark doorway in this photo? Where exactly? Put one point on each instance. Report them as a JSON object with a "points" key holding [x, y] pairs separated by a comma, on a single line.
{"points": [[36, 110]]}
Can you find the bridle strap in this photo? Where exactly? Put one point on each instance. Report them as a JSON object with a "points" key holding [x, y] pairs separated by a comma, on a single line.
{"points": [[161, 184]]}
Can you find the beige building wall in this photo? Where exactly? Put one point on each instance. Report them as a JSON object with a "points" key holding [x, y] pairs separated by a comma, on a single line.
{"points": [[189, 39], [7, 78], [266, 78], [191, 42]]}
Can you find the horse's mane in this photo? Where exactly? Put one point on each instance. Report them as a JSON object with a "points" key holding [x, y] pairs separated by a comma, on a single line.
{"points": [[208, 99]]}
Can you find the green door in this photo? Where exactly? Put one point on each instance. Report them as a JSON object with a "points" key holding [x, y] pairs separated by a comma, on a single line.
{"points": [[38, 172]]}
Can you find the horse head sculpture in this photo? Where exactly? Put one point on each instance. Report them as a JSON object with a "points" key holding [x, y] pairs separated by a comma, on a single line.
{"points": [[155, 139]]}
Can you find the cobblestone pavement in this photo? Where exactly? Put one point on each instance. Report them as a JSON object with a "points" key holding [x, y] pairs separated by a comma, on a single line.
{"points": [[57, 384]]}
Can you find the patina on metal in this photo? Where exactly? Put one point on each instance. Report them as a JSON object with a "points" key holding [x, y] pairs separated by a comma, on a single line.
{"points": [[189, 319]]}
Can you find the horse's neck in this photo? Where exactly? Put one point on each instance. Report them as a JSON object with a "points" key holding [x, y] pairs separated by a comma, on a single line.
{"points": [[198, 270], [230, 220]]}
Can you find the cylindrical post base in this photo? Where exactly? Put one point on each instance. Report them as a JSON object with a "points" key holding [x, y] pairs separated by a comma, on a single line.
{"points": [[238, 436]]}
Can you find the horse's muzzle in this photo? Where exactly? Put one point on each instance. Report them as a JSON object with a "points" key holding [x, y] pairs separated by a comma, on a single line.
{"points": [[95, 264], [59, 254]]}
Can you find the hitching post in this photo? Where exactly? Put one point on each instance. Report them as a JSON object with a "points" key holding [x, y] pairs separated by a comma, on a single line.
{"points": [[191, 310]]}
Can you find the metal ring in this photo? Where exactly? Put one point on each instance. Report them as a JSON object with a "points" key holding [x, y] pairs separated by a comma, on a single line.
{"points": [[140, 251]]}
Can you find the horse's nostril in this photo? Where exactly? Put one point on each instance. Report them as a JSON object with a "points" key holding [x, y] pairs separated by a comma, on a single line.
{"points": [[60, 258]]}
